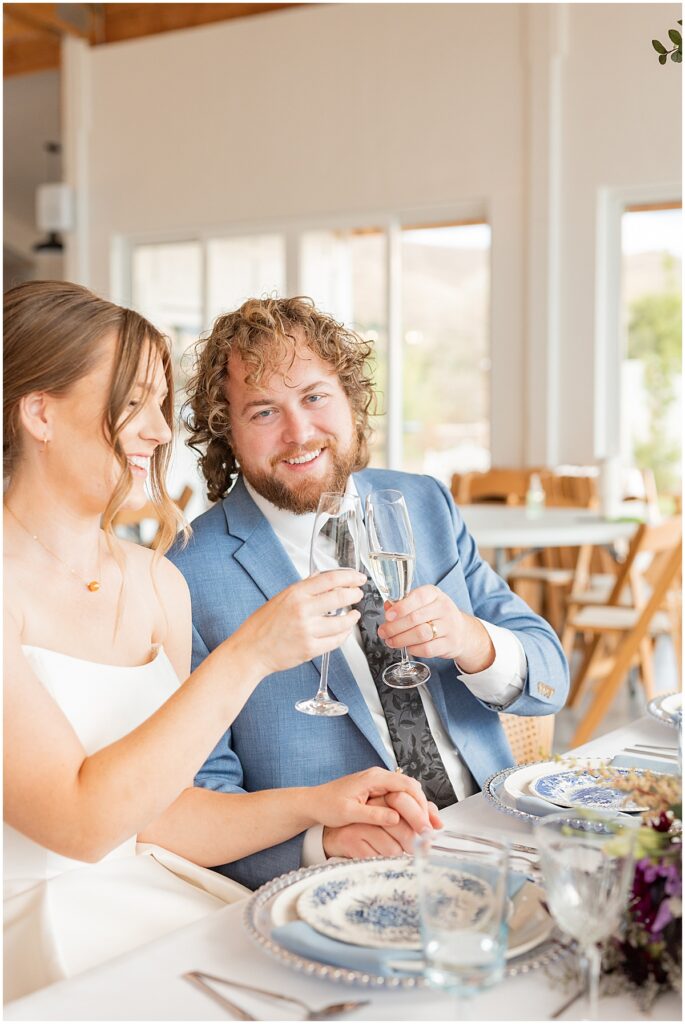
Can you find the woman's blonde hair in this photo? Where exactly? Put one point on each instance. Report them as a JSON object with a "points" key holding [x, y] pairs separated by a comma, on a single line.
{"points": [[261, 333], [53, 334]]}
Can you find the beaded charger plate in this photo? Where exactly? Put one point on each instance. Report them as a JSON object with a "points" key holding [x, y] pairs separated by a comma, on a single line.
{"points": [[275, 904], [667, 708], [495, 792]]}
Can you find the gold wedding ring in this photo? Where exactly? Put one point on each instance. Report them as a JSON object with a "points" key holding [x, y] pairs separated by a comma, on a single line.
{"points": [[433, 629]]}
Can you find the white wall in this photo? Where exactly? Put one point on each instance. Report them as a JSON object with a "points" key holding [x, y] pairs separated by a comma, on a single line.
{"points": [[523, 111]]}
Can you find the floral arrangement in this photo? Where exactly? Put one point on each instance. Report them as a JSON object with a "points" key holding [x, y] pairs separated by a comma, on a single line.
{"points": [[648, 954]]}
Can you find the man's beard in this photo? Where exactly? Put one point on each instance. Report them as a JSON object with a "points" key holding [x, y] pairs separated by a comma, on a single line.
{"points": [[303, 496]]}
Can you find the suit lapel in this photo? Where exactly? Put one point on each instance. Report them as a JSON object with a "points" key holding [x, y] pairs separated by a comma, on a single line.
{"points": [[265, 560]]}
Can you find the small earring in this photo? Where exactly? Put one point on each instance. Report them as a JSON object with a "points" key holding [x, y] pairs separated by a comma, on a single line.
{"points": [[46, 442]]}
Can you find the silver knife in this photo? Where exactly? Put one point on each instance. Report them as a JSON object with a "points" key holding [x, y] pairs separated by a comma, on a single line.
{"points": [[224, 1003]]}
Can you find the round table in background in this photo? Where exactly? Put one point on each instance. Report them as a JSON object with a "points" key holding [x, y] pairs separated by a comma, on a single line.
{"points": [[513, 526]]}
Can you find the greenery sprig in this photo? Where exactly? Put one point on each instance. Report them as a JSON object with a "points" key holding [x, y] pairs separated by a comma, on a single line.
{"points": [[676, 53]]}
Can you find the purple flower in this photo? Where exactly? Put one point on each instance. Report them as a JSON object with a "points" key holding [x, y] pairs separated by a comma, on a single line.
{"points": [[663, 917]]}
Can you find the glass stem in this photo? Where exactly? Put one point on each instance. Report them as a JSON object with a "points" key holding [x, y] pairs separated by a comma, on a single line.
{"points": [[405, 657], [322, 692], [593, 961], [463, 1007]]}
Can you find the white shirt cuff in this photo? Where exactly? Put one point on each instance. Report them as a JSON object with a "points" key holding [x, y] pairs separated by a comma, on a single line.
{"points": [[312, 847], [503, 681]]}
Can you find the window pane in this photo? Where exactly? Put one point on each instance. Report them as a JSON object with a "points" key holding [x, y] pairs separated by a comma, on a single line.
{"points": [[651, 377], [167, 289], [445, 300], [344, 273], [243, 268]]}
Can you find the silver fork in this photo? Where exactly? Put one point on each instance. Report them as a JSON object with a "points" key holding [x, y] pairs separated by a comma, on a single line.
{"points": [[200, 979]]}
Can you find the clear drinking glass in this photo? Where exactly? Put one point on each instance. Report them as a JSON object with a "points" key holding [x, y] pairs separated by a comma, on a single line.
{"points": [[463, 901], [587, 865], [336, 544], [392, 558]]}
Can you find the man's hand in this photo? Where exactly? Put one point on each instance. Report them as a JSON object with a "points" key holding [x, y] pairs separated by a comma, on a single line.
{"points": [[363, 841], [428, 623]]}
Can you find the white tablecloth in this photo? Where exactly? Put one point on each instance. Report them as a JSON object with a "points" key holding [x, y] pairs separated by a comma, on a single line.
{"points": [[147, 984], [505, 526]]}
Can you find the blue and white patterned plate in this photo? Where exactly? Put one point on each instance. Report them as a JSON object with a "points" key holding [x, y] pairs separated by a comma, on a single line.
{"points": [[574, 788], [377, 904]]}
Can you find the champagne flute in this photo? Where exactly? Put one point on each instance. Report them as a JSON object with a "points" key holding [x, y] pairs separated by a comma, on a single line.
{"points": [[587, 865], [392, 557], [336, 544]]}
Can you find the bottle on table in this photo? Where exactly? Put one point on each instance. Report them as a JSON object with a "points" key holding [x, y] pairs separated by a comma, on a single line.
{"points": [[535, 495]]}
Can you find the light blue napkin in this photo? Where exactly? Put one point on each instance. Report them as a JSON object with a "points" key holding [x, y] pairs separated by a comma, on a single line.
{"points": [[300, 938], [534, 805], [646, 763]]}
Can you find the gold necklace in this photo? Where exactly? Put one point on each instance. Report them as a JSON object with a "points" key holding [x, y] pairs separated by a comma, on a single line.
{"points": [[92, 585]]}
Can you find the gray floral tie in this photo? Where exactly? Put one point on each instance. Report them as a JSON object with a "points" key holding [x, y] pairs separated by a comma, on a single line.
{"points": [[415, 748]]}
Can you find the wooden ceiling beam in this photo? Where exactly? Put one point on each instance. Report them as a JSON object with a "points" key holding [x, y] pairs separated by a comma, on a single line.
{"points": [[44, 18], [131, 21], [24, 56]]}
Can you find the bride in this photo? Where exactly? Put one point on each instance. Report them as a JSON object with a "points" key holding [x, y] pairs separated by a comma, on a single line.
{"points": [[100, 738]]}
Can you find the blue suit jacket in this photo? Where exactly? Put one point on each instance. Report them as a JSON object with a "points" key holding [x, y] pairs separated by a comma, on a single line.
{"points": [[234, 562]]}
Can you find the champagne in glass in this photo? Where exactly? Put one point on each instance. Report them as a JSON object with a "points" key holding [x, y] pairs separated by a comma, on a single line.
{"points": [[392, 558], [392, 574], [336, 544]]}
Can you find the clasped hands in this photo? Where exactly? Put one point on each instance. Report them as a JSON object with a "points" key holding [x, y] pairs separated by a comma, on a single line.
{"points": [[411, 815], [430, 625]]}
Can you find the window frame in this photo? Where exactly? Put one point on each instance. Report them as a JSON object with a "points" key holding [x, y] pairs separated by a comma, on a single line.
{"points": [[611, 205], [392, 222]]}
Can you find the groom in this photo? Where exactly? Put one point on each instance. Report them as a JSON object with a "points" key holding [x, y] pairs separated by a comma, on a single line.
{"points": [[281, 397]]}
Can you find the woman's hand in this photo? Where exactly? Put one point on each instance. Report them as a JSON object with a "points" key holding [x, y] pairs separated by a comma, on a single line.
{"points": [[364, 840], [351, 800], [428, 623], [297, 624]]}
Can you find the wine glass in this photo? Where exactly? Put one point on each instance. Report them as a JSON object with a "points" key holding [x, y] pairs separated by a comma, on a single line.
{"points": [[463, 902], [391, 560], [587, 865], [336, 544]]}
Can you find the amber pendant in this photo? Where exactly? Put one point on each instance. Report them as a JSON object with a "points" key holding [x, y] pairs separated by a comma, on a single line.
{"points": [[93, 586]]}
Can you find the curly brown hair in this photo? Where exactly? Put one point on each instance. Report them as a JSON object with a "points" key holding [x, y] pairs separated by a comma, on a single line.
{"points": [[261, 331]]}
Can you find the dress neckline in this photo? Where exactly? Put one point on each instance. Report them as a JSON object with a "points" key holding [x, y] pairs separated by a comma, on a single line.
{"points": [[158, 650]]}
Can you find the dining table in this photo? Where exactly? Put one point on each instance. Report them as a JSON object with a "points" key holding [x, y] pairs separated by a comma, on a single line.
{"points": [[500, 527], [147, 984]]}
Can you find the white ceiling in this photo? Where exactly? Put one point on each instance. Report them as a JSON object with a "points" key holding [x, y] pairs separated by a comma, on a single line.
{"points": [[31, 118]]}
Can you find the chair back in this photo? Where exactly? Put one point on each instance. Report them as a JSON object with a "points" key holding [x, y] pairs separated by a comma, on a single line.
{"points": [[531, 738], [566, 490], [649, 549], [507, 486]]}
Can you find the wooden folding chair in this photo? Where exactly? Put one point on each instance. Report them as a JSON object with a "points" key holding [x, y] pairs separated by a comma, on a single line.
{"points": [[627, 630], [504, 485]]}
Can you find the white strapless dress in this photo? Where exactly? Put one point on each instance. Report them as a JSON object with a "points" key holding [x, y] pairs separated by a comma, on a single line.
{"points": [[64, 916]]}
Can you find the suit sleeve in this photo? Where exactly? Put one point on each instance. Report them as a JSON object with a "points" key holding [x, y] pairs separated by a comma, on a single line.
{"points": [[547, 682], [223, 773]]}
